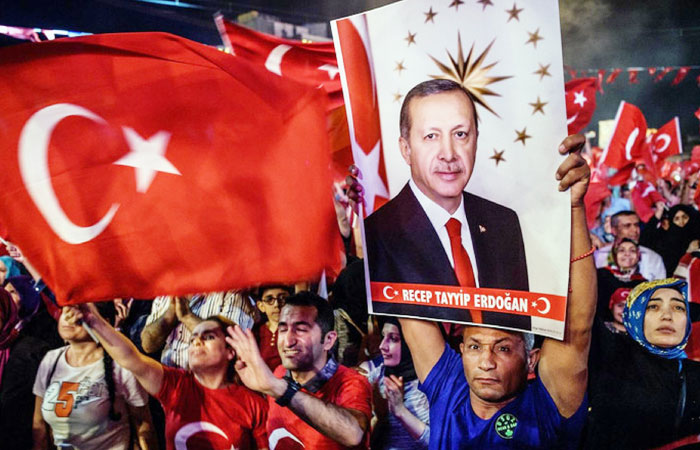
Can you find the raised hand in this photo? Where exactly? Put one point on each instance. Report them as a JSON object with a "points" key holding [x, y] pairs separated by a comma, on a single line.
{"points": [[250, 366], [394, 393]]}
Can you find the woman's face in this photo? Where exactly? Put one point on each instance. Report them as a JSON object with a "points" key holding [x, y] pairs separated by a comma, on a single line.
{"points": [[617, 310], [208, 349], [3, 271], [627, 255], [666, 318], [69, 330], [681, 219], [391, 345]]}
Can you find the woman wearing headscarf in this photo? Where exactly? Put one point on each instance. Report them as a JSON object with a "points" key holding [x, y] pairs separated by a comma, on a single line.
{"points": [[35, 320], [8, 268], [671, 243], [407, 424], [643, 391], [622, 271], [20, 356]]}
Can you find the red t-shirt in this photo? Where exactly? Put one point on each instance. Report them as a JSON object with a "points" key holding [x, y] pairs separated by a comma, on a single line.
{"points": [[346, 389], [267, 341], [200, 418]]}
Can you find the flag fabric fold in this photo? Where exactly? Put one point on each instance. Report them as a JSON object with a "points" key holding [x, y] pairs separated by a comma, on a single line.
{"points": [[627, 138], [142, 164]]}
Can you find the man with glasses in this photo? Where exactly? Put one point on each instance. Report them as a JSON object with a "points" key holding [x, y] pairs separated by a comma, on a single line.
{"points": [[272, 299]]}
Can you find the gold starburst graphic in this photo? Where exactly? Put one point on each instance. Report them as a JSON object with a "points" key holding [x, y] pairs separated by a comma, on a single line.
{"points": [[471, 73]]}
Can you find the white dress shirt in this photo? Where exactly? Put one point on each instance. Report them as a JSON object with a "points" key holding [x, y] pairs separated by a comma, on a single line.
{"points": [[438, 217]]}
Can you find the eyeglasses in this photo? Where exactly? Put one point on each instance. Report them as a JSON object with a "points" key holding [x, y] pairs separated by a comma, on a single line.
{"points": [[271, 299]]}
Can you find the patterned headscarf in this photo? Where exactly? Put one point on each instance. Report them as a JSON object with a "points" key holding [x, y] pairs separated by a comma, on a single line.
{"points": [[635, 310]]}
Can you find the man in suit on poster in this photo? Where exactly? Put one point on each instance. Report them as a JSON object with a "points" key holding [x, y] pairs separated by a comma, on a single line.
{"points": [[433, 232]]}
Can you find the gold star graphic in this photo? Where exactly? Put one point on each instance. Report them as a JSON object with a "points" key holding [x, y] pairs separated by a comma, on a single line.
{"points": [[411, 38], [397, 96], [534, 37], [470, 73], [543, 71], [485, 3], [537, 106], [430, 15], [400, 67], [497, 156], [456, 4], [513, 13], [522, 135]]}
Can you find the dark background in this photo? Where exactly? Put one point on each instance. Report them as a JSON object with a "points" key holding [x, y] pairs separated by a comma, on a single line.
{"points": [[596, 34]]}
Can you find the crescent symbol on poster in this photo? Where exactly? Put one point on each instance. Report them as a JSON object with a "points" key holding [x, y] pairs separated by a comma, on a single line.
{"points": [[274, 59], [630, 143], [34, 169], [387, 295], [189, 430], [570, 120], [548, 305]]}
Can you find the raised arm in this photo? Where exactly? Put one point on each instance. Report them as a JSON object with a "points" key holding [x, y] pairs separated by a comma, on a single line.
{"points": [[344, 425], [155, 333], [148, 372], [563, 366], [426, 343]]}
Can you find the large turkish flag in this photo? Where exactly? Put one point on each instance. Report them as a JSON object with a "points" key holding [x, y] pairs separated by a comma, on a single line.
{"points": [[627, 141], [145, 164]]}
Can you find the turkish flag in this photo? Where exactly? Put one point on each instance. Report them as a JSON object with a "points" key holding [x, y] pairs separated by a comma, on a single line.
{"points": [[628, 137], [580, 103], [313, 64], [596, 193], [644, 198], [142, 164], [363, 109], [667, 140]]}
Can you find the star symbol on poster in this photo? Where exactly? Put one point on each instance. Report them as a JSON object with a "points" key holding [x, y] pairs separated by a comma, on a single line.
{"points": [[485, 3], [579, 98], [456, 4], [331, 69], [411, 38], [400, 67], [497, 156], [368, 163], [538, 106], [147, 156], [471, 73], [397, 96], [534, 37], [543, 71], [513, 13], [430, 15], [522, 136]]}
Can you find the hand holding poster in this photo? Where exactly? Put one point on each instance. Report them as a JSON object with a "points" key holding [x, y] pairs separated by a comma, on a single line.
{"points": [[471, 111]]}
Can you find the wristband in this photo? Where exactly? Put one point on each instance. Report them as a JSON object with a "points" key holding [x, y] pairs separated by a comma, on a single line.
{"points": [[585, 255], [292, 388]]}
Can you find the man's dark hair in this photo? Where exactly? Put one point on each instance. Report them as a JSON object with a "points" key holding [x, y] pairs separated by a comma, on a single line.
{"points": [[267, 287], [424, 89], [616, 217], [324, 312]]}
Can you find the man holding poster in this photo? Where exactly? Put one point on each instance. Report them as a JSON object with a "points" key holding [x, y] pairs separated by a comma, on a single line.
{"points": [[432, 232]]}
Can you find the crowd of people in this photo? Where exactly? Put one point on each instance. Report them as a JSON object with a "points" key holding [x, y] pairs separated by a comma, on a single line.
{"points": [[280, 367]]}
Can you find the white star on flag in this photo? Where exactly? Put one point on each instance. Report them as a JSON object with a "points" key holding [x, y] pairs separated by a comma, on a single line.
{"points": [[147, 156], [331, 69], [579, 99]]}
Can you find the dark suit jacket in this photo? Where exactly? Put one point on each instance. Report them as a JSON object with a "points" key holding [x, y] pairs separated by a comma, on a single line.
{"points": [[402, 247]]}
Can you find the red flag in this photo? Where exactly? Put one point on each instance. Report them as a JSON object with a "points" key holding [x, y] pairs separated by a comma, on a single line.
{"points": [[628, 136], [613, 75], [601, 75], [622, 176], [667, 140], [697, 113], [571, 70], [313, 64], [363, 109], [580, 103], [633, 76], [644, 197], [651, 70], [143, 164], [662, 74], [596, 193], [682, 72]]}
